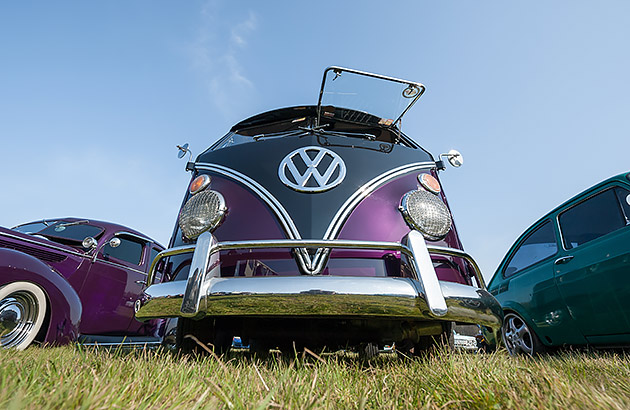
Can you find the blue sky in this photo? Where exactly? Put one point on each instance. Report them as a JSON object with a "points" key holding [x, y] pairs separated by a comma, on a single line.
{"points": [[94, 96]]}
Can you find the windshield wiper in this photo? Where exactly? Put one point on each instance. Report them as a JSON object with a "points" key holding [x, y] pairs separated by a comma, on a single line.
{"points": [[316, 130], [83, 221], [364, 135], [278, 134], [369, 137]]}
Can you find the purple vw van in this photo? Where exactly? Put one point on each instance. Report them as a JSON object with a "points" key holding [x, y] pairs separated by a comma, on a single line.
{"points": [[69, 279], [320, 226]]}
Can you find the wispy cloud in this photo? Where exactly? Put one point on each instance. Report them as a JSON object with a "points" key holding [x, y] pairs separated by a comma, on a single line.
{"points": [[243, 29], [215, 54]]}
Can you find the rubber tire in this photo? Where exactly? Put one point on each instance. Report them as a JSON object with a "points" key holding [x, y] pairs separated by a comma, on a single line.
{"points": [[204, 330], [429, 344], [367, 351], [446, 340], [259, 349], [39, 302], [535, 347]]}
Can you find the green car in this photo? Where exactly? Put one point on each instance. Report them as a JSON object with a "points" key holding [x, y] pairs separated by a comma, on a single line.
{"points": [[566, 280]]}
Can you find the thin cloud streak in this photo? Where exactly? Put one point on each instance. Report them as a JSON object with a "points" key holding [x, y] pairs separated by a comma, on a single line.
{"points": [[214, 55]]}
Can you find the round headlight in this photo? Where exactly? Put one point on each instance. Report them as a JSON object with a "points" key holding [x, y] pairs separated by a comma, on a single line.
{"points": [[203, 212], [427, 213]]}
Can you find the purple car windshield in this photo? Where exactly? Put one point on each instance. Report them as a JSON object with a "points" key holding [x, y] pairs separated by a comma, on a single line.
{"points": [[71, 231], [33, 227]]}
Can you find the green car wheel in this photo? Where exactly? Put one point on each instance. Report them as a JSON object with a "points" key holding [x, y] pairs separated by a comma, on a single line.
{"points": [[518, 337]]}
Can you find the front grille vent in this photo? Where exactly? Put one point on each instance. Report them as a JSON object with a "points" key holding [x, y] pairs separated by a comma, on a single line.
{"points": [[43, 255]]}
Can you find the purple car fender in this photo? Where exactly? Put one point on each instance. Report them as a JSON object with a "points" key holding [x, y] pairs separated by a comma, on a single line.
{"points": [[64, 305]]}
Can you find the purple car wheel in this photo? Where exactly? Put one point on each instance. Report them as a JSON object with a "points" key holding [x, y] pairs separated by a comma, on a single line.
{"points": [[22, 312]]}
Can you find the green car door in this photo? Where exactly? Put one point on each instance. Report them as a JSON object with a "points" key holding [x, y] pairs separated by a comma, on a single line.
{"points": [[592, 270], [529, 287]]}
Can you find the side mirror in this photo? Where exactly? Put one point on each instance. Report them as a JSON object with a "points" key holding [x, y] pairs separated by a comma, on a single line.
{"points": [[89, 243], [454, 157], [183, 150], [114, 242]]}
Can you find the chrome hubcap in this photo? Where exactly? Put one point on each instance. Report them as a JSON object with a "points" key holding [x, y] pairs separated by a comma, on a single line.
{"points": [[517, 336], [18, 312]]}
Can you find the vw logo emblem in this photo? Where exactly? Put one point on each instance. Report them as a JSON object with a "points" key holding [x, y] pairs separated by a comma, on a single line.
{"points": [[312, 169]]}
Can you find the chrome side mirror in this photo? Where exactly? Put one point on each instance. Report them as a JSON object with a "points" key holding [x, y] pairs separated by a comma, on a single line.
{"points": [[183, 150], [454, 157], [89, 243], [114, 242]]}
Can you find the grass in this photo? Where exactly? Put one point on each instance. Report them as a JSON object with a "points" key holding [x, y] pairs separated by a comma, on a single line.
{"points": [[76, 377]]}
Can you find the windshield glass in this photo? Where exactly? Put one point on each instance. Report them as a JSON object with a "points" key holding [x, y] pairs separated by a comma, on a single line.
{"points": [[71, 231], [386, 97], [33, 227]]}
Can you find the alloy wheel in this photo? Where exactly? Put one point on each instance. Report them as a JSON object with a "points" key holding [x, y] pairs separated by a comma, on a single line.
{"points": [[518, 338]]}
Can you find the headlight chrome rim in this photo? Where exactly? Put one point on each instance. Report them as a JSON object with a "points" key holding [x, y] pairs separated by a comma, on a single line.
{"points": [[425, 221], [203, 212]]}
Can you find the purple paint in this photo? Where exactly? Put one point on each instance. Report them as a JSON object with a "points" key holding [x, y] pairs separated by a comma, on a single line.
{"points": [[88, 291]]}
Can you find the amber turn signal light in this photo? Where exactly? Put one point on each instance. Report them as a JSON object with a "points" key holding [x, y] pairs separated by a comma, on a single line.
{"points": [[430, 183], [199, 184]]}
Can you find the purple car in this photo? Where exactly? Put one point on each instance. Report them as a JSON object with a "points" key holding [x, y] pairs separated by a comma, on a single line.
{"points": [[320, 226], [69, 279]]}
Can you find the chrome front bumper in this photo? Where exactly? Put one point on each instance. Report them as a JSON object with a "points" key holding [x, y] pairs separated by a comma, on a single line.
{"points": [[205, 293]]}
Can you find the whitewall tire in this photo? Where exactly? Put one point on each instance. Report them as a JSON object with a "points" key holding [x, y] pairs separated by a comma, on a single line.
{"points": [[22, 313]]}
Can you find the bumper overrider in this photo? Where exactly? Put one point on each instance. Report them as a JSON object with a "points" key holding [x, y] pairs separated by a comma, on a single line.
{"points": [[205, 293]]}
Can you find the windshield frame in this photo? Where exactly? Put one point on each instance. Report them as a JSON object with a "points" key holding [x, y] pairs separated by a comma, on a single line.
{"points": [[337, 71]]}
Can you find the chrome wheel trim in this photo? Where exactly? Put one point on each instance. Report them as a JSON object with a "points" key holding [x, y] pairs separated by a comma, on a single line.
{"points": [[22, 311], [517, 336]]}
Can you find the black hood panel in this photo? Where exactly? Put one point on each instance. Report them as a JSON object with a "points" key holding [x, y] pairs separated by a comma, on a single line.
{"points": [[313, 212]]}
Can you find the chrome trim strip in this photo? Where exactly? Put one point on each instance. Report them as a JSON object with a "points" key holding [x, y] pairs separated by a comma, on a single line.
{"points": [[137, 345], [51, 246], [119, 265], [133, 235]]}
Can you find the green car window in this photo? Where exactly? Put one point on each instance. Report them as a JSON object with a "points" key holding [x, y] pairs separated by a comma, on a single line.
{"points": [[624, 199], [539, 245], [591, 219]]}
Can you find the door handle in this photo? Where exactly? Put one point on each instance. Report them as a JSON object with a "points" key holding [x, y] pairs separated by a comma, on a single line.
{"points": [[141, 282], [563, 260]]}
